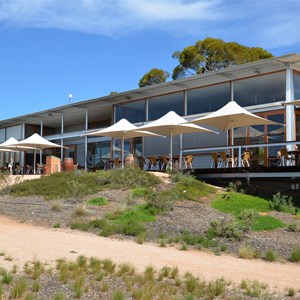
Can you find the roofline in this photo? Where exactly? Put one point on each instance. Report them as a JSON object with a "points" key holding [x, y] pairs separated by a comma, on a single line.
{"points": [[284, 60]]}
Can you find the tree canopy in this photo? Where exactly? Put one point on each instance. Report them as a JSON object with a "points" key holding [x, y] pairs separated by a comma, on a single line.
{"points": [[214, 54], [154, 76]]}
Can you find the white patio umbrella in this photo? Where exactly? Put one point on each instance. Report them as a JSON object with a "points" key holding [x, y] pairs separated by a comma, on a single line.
{"points": [[232, 116], [172, 124], [121, 130], [13, 144], [36, 142]]}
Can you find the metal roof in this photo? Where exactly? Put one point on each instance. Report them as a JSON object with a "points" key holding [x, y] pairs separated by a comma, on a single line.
{"points": [[102, 106]]}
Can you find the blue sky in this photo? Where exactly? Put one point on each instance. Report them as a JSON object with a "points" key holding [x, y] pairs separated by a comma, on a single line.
{"points": [[50, 48]]}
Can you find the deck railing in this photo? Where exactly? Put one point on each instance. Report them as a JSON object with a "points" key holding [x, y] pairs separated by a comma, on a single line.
{"points": [[290, 145]]}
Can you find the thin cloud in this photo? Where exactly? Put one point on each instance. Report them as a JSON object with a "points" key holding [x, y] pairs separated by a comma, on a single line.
{"points": [[251, 22]]}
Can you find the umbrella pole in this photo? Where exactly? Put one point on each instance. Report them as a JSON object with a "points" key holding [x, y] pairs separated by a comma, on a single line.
{"points": [[34, 161], [122, 155], [171, 150], [232, 150]]}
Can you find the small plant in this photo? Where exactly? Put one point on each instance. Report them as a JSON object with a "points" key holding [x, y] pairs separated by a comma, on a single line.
{"points": [[293, 228], [99, 201], [118, 295], [295, 255], [248, 216], [183, 247], [282, 203], [56, 225], [59, 296], [80, 211], [56, 206], [140, 238], [291, 292], [162, 243], [246, 252], [270, 256], [36, 286], [7, 277], [19, 288]]}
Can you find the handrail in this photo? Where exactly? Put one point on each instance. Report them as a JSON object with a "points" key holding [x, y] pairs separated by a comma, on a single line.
{"points": [[239, 147]]}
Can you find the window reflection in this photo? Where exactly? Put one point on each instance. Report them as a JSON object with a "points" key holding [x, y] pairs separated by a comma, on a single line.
{"points": [[259, 90], [134, 112], [207, 99], [159, 106]]}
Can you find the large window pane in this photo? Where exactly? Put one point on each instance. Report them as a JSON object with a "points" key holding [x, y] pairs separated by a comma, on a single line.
{"points": [[259, 90], [159, 106], [134, 112], [296, 85], [207, 99]]}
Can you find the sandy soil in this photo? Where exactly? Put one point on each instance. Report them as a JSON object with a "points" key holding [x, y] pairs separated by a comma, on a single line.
{"points": [[25, 242]]}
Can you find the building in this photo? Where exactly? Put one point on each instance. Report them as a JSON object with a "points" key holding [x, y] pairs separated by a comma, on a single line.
{"points": [[261, 87]]}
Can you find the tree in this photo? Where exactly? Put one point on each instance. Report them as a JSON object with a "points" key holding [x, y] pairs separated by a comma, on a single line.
{"points": [[154, 76], [214, 54]]}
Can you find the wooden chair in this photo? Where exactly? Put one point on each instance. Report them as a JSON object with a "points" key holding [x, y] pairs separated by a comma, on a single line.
{"points": [[215, 160], [116, 163], [154, 163], [188, 160], [146, 163], [284, 159], [224, 159], [164, 162], [246, 159]]}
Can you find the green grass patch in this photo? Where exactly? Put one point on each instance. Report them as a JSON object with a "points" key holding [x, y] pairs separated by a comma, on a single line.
{"points": [[235, 204], [188, 187], [266, 223], [99, 201]]}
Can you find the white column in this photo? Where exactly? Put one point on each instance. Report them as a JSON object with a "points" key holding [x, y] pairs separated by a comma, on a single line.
{"points": [[86, 139], [231, 91], [62, 140], [289, 109]]}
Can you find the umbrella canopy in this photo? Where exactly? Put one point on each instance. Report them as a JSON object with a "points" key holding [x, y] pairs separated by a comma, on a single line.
{"points": [[172, 124], [35, 142], [123, 129], [13, 144], [231, 116], [242, 132]]}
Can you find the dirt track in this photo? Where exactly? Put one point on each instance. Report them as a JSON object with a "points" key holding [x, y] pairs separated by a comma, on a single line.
{"points": [[24, 242]]}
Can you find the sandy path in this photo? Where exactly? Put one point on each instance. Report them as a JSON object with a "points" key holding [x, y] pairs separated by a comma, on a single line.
{"points": [[24, 242]]}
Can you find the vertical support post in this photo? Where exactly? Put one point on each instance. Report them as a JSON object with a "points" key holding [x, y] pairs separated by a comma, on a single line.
{"points": [[289, 109], [41, 132], [62, 140], [86, 140]]}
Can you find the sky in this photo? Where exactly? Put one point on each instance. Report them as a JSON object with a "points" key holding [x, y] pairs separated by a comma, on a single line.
{"points": [[90, 48]]}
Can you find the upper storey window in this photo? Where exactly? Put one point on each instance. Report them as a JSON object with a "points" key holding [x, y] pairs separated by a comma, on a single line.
{"points": [[260, 89], [134, 112]]}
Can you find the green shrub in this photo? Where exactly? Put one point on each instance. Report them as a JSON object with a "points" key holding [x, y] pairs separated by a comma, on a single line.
{"points": [[293, 228], [295, 255], [248, 216], [247, 252], [282, 203], [230, 230], [161, 201], [270, 256]]}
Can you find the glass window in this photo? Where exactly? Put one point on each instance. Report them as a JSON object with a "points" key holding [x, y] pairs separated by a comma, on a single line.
{"points": [[259, 90], [296, 85], [207, 99], [298, 127], [134, 112], [159, 106]]}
